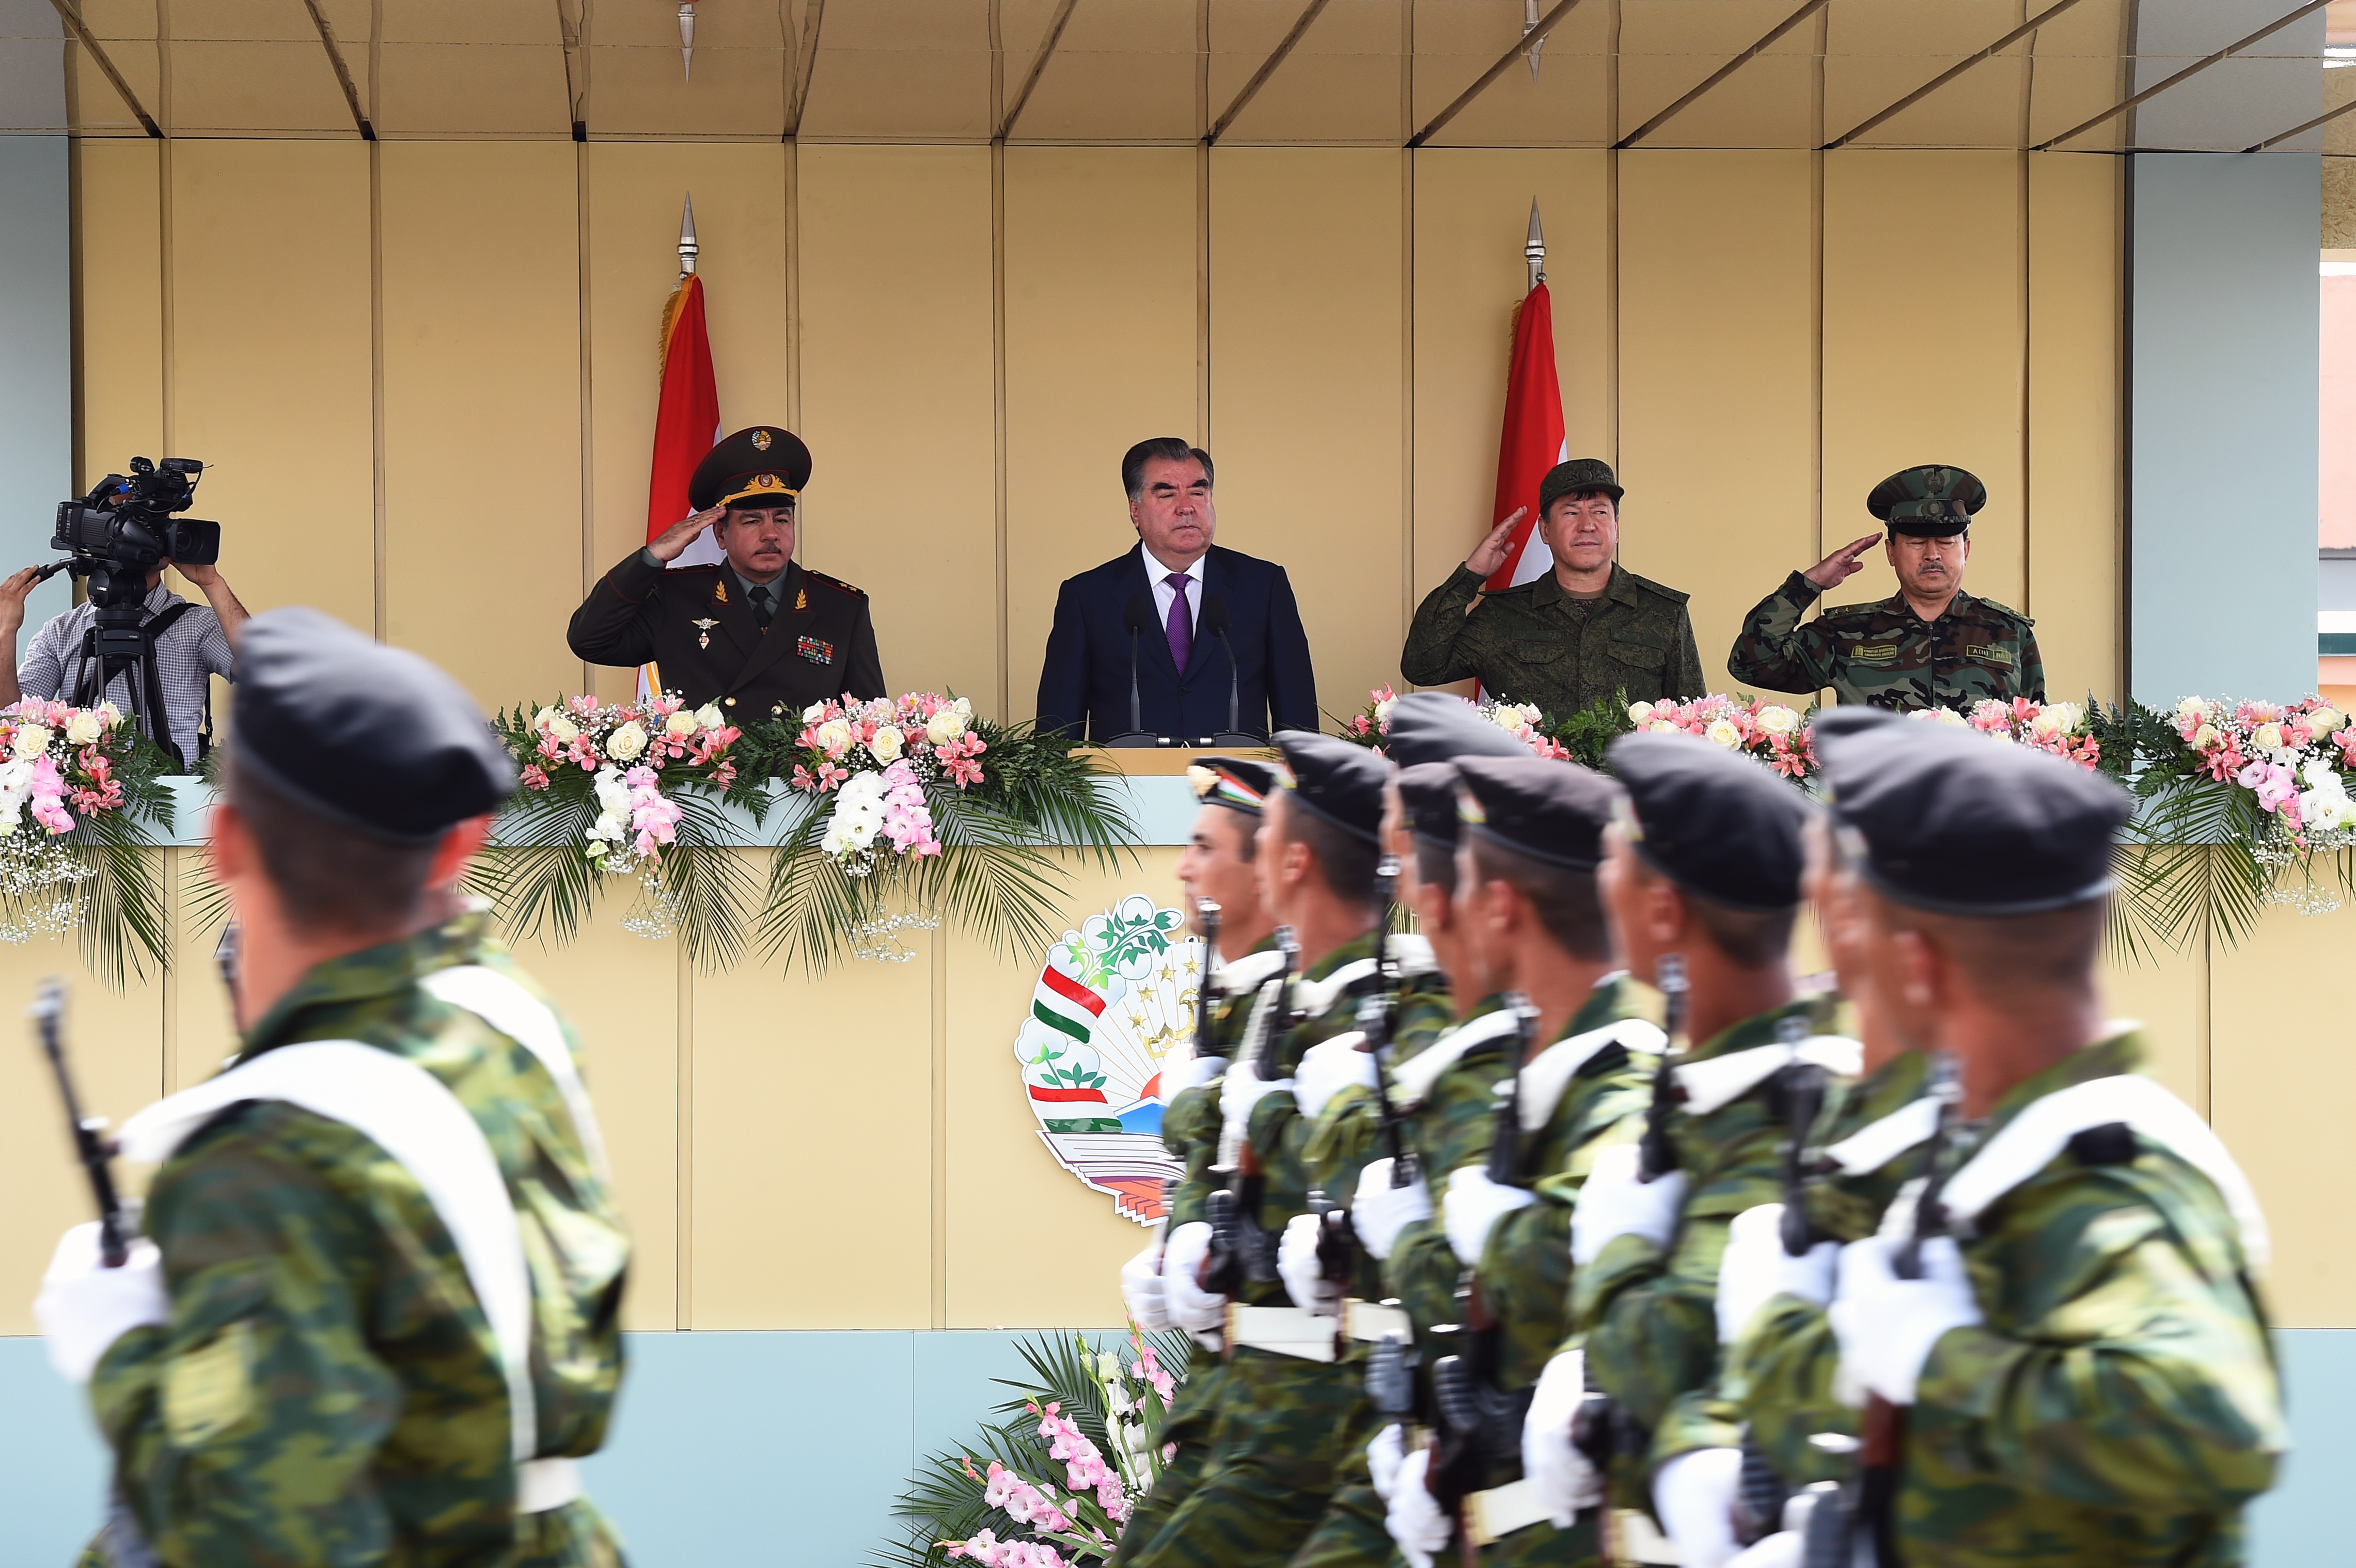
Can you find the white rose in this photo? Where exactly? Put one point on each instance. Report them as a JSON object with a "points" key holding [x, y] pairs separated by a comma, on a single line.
{"points": [[541, 719], [31, 741], [560, 730], [1506, 717], [2204, 737], [1722, 732], [2046, 725], [111, 714], [814, 712], [628, 742], [1777, 720], [679, 723], [1639, 713], [885, 747], [834, 735], [2268, 737], [2324, 721], [84, 728], [1383, 709], [1662, 727], [2192, 705], [945, 726], [710, 717]]}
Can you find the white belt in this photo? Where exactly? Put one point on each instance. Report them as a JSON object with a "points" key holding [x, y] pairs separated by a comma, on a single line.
{"points": [[545, 1483], [1374, 1321], [1496, 1513], [1639, 1540], [1286, 1330]]}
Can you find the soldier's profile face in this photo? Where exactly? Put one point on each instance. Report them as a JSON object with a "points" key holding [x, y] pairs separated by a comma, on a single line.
{"points": [[757, 543], [1174, 513], [1927, 567], [1582, 531], [1213, 865]]}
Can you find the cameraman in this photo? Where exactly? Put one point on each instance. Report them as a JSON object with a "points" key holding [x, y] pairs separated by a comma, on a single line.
{"points": [[198, 643]]}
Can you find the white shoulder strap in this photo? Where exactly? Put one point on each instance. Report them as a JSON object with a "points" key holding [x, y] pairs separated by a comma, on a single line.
{"points": [[1313, 997], [1236, 977], [2036, 1138], [1722, 1080], [1878, 1143], [1409, 953], [1549, 1074], [506, 1007], [1416, 1075], [413, 1116]]}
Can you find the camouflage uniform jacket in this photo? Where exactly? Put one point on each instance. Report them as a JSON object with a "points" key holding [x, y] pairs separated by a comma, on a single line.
{"points": [[1526, 643], [1190, 1126], [1649, 1315], [327, 1389], [2120, 1404], [1886, 654]]}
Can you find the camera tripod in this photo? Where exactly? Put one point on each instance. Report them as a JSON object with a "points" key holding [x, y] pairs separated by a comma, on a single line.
{"points": [[116, 644]]}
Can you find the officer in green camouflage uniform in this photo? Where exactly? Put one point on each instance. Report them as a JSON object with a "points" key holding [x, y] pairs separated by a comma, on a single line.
{"points": [[1587, 630], [2081, 1368], [1705, 865], [1929, 645], [313, 1355]]}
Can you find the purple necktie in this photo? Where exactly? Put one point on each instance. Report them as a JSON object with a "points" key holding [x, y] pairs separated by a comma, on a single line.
{"points": [[1181, 625]]}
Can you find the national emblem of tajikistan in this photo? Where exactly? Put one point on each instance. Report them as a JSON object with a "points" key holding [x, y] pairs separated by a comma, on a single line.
{"points": [[1114, 1004]]}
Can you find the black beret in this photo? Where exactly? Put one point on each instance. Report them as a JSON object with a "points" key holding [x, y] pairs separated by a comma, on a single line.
{"points": [[1717, 824], [1232, 782], [1335, 779], [1554, 812], [1943, 820], [1428, 800], [374, 737], [762, 466], [1434, 727]]}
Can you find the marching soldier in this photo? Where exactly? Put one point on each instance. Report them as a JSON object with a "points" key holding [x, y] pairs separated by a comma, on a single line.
{"points": [[759, 634], [1929, 645], [374, 1313]]}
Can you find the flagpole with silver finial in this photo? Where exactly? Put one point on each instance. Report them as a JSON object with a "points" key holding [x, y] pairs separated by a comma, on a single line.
{"points": [[688, 249], [1534, 248], [1529, 25], [687, 43]]}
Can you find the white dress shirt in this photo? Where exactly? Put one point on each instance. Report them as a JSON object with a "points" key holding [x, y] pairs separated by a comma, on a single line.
{"points": [[1163, 593]]}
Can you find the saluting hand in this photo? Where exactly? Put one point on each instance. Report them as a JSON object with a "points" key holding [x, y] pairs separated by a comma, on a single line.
{"points": [[1842, 564], [1490, 553], [673, 541]]}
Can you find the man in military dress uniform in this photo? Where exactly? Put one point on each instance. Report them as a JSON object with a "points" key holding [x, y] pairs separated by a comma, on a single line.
{"points": [[1588, 630], [759, 634], [1929, 645], [374, 1314]]}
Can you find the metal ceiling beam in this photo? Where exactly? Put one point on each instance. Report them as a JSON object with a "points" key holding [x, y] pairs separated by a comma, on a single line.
{"points": [[2326, 118], [812, 22], [73, 19], [1266, 69], [1721, 74], [2195, 69], [343, 72], [1530, 39], [1038, 64], [1949, 75]]}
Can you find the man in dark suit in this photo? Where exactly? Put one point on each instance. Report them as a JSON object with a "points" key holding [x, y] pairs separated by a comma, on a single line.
{"points": [[756, 633], [1207, 624]]}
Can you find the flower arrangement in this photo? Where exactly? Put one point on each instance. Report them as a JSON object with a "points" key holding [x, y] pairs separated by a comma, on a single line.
{"points": [[80, 788], [2293, 759], [1056, 1481], [1772, 733], [1522, 721], [881, 757], [2063, 729]]}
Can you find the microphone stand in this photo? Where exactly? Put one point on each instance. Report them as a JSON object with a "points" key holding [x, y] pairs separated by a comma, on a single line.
{"points": [[1214, 620]]}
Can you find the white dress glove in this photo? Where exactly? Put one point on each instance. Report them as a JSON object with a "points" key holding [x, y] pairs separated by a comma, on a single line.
{"points": [[84, 1307], [1384, 1455], [1694, 1494], [1141, 1289], [1566, 1480], [1756, 1269], [1784, 1548], [1413, 1515], [1381, 1211], [1329, 1067], [1297, 1266], [1191, 1307], [1616, 1202], [1888, 1326], [1240, 1091], [1473, 1206]]}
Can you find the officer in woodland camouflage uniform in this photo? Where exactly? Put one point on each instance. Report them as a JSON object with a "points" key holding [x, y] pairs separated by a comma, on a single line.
{"points": [[1929, 645], [1588, 630], [2082, 1368], [374, 1313]]}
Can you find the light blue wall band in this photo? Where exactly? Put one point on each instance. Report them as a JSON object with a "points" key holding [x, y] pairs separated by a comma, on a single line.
{"points": [[35, 353]]}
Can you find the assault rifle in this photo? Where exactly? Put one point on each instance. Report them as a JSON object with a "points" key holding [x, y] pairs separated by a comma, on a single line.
{"points": [[1240, 1251], [1657, 1150], [1336, 1243], [1798, 1090]]}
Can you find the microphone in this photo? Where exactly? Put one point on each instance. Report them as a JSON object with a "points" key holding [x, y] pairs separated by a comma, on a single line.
{"points": [[1136, 615], [1214, 620]]}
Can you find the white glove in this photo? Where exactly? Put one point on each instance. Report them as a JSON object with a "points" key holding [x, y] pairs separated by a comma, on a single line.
{"points": [[1329, 1067], [1888, 1326], [84, 1307], [1756, 1269], [1784, 1548], [1694, 1494], [1566, 1480], [1384, 1455], [1191, 1307], [1473, 1206], [1240, 1091], [1413, 1515], [1141, 1289], [1297, 1266], [1381, 1211], [1616, 1202]]}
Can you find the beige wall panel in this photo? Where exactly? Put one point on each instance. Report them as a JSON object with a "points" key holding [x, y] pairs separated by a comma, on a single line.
{"points": [[1341, 83], [1004, 1186], [272, 355], [1888, 308], [2077, 74], [812, 1155], [2076, 577], [1668, 48], [482, 411], [1100, 355], [635, 191], [1569, 101], [1716, 379], [1876, 55], [122, 305], [2289, 1138], [1307, 346], [199, 1018], [251, 85], [620, 993], [474, 90], [897, 394], [1125, 73], [2168, 996], [1471, 214], [1769, 102]]}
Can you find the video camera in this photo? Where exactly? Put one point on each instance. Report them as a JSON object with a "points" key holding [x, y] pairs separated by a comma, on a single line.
{"points": [[124, 529]]}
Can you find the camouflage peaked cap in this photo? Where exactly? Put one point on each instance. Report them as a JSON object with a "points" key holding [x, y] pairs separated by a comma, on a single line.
{"points": [[1578, 474], [1935, 500]]}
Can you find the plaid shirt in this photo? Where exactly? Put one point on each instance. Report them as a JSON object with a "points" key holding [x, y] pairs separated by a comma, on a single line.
{"points": [[191, 649]]}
